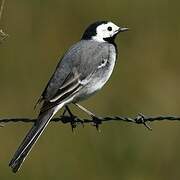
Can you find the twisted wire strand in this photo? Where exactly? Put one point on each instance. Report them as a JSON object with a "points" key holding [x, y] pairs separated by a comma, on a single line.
{"points": [[139, 119]]}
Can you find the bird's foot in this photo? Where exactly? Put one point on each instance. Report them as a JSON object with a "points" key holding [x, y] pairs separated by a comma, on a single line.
{"points": [[96, 122], [75, 121]]}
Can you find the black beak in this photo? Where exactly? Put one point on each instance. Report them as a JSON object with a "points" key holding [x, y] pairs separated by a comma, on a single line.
{"points": [[122, 29]]}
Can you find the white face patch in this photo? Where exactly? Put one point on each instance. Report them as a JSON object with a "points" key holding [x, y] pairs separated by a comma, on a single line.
{"points": [[105, 31]]}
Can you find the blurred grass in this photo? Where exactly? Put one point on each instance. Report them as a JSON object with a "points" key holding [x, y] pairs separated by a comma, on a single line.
{"points": [[146, 79]]}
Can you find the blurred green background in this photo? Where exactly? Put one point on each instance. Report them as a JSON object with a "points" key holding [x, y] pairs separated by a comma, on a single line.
{"points": [[146, 79]]}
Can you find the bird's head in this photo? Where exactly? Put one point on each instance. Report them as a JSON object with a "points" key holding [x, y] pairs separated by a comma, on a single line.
{"points": [[102, 31]]}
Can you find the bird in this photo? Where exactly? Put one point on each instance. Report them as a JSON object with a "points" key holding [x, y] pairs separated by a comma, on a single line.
{"points": [[81, 72]]}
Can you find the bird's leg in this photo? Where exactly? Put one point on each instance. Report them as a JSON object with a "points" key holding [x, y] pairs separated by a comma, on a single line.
{"points": [[96, 120], [73, 118], [64, 112]]}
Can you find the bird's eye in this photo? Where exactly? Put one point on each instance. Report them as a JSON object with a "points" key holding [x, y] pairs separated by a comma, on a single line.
{"points": [[109, 28]]}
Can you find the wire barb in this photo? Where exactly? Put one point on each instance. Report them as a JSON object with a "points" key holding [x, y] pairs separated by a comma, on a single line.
{"points": [[141, 120]]}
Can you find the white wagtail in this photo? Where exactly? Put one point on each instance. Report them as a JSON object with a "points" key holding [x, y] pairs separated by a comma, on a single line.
{"points": [[82, 71]]}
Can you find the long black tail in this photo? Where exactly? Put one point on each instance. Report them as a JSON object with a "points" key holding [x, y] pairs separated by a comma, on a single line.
{"points": [[31, 139]]}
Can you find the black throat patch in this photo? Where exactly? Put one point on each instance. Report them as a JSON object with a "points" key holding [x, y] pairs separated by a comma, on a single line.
{"points": [[110, 39]]}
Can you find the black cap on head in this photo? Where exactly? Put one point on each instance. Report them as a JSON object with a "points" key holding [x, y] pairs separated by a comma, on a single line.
{"points": [[91, 30]]}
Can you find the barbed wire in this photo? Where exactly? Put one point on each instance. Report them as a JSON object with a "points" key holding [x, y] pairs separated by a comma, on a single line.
{"points": [[96, 121]]}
